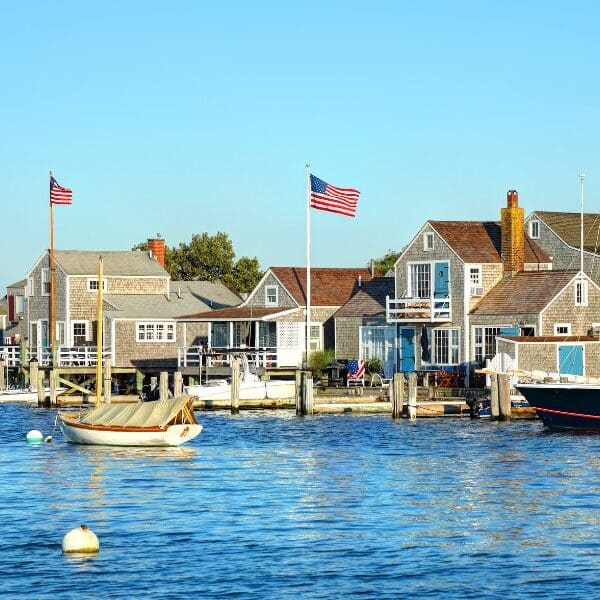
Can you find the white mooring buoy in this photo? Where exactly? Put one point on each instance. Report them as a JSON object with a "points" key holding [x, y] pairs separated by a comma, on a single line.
{"points": [[34, 437], [81, 540]]}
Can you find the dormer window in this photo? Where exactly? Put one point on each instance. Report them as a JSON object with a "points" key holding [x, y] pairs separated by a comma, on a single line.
{"points": [[428, 241], [271, 295], [534, 229]]}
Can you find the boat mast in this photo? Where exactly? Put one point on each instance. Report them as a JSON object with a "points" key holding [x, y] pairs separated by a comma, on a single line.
{"points": [[99, 337], [581, 177]]}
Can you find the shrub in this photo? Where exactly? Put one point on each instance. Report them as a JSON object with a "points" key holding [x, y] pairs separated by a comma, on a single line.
{"points": [[319, 360], [373, 365]]}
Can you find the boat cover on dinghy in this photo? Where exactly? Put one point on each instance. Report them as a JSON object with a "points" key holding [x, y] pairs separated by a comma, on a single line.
{"points": [[158, 413]]}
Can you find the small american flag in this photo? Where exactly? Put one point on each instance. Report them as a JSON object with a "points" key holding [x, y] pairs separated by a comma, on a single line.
{"points": [[324, 196], [59, 194]]}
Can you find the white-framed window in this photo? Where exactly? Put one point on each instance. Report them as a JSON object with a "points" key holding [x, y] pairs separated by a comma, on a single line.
{"points": [[445, 346], [19, 305], [581, 293], [476, 280], [30, 288], [45, 278], [60, 332], [562, 328], [420, 280], [155, 332], [79, 331], [271, 295], [315, 341], [534, 229], [484, 342], [92, 284], [428, 241]]}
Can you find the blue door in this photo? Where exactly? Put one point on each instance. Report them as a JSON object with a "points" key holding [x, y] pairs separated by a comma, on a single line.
{"points": [[441, 282], [407, 349], [570, 360]]}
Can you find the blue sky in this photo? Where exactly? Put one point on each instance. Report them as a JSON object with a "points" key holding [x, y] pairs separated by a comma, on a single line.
{"points": [[186, 117]]}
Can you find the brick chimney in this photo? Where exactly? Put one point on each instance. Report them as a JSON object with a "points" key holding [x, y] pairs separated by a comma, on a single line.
{"points": [[513, 235], [157, 247]]}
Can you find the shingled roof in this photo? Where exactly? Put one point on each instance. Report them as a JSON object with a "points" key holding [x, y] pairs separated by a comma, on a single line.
{"points": [[526, 292], [480, 241], [370, 300], [568, 227], [231, 314], [329, 287], [133, 263]]}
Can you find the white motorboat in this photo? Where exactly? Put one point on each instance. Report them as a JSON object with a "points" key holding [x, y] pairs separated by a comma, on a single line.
{"points": [[159, 423], [251, 387], [24, 395]]}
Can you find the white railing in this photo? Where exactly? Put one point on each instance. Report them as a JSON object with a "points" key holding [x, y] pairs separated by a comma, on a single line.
{"points": [[433, 310], [80, 356], [43, 354], [198, 356], [11, 355], [77, 356]]}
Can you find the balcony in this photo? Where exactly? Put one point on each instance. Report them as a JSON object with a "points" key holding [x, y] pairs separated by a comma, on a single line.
{"points": [[418, 310], [67, 356], [200, 356]]}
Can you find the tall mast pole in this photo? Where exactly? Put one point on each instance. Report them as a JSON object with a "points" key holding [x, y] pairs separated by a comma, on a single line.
{"points": [[52, 271], [581, 178], [307, 334], [99, 337]]}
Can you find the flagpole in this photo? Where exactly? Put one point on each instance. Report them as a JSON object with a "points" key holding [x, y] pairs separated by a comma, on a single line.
{"points": [[307, 333], [99, 340], [52, 271]]}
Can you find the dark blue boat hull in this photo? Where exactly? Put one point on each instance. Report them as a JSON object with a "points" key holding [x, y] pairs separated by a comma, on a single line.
{"points": [[565, 406]]}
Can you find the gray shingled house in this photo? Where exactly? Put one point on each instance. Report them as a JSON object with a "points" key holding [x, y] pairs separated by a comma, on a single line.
{"points": [[361, 330], [271, 321], [140, 303], [559, 234]]}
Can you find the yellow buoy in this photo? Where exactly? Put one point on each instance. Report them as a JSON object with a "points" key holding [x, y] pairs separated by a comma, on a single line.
{"points": [[81, 540]]}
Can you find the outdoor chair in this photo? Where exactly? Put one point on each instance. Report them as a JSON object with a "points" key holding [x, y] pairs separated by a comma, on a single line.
{"points": [[356, 373]]}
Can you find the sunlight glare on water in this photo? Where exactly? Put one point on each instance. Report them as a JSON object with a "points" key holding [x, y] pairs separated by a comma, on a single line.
{"points": [[267, 505]]}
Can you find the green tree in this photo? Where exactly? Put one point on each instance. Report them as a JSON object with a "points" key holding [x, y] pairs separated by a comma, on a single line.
{"points": [[386, 262], [210, 257]]}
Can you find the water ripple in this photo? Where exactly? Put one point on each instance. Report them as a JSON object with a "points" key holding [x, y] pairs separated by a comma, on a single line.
{"points": [[267, 505]]}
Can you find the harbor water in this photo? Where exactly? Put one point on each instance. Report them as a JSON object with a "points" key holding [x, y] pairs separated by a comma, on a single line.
{"points": [[268, 505]]}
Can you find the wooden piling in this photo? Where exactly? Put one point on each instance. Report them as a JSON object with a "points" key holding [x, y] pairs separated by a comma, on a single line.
{"points": [[307, 393], [107, 380], [3, 382], [298, 393], [41, 388], [494, 400], [33, 373], [24, 361], [397, 394], [412, 395], [177, 384], [163, 388], [53, 375], [504, 397], [235, 386]]}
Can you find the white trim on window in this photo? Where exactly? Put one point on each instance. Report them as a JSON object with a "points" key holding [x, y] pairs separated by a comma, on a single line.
{"points": [[92, 284], [271, 295], [154, 331], [562, 328], [445, 345], [476, 280], [581, 292], [428, 241], [85, 334], [45, 281], [534, 229]]}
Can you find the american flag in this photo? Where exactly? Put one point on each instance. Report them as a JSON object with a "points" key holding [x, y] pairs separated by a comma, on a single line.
{"points": [[325, 196], [59, 194]]}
